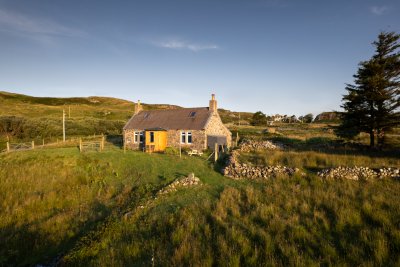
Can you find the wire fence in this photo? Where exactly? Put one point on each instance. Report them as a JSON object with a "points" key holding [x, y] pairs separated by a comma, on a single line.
{"points": [[86, 143]]}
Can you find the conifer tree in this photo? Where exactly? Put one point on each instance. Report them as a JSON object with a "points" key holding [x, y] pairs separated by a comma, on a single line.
{"points": [[372, 103]]}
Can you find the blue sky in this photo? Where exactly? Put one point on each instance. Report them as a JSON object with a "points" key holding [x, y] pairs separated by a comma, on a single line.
{"points": [[277, 56]]}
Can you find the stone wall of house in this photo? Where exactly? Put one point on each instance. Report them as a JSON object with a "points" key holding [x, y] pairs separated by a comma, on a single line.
{"points": [[198, 139], [173, 139], [215, 126], [129, 139]]}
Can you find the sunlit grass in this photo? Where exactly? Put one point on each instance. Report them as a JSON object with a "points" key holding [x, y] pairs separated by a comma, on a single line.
{"points": [[279, 222], [312, 159]]}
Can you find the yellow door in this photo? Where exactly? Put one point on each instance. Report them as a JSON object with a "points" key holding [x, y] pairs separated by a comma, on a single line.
{"points": [[156, 141], [162, 140]]}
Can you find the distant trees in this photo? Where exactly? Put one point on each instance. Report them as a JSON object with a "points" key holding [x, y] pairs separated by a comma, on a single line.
{"points": [[372, 104], [258, 119], [308, 118]]}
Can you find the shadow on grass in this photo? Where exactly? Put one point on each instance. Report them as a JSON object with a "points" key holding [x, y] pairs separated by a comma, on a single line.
{"points": [[28, 245]]}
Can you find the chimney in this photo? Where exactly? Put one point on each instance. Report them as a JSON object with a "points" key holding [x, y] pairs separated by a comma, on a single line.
{"points": [[213, 104], [138, 107]]}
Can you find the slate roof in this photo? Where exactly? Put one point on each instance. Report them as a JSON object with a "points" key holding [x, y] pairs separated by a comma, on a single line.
{"points": [[170, 119]]}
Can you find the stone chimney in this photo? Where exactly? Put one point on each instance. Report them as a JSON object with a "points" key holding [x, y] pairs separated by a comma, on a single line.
{"points": [[138, 107], [213, 104]]}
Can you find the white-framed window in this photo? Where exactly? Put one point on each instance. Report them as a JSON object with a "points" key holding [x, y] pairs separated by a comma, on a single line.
{"points": [[186, 137], [136, 140], [139, 137], [183, 138]]}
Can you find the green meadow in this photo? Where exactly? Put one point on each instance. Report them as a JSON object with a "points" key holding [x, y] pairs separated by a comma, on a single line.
{"points": [[83, 209], [62, 207]]}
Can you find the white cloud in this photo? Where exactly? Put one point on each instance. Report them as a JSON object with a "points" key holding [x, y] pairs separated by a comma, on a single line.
{"points": [[378, 10], [183, 45], [34, 28]]}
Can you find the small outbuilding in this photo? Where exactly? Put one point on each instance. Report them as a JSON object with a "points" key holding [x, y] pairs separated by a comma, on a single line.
{"points": [[194, 128]]}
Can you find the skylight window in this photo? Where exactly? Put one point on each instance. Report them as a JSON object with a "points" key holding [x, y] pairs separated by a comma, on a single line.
{"points": [[192, 114], [146, 115]]}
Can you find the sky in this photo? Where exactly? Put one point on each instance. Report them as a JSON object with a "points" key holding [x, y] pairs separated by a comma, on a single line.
{"points": [[275, 56]]}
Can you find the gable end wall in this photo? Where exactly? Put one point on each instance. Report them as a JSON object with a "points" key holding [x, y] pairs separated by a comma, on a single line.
{"points": [[215, 126]]}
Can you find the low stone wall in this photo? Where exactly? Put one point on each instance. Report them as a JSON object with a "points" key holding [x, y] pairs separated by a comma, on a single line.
{"points": [[236, 170], [251, 145], [359, 173], [188, 181]]}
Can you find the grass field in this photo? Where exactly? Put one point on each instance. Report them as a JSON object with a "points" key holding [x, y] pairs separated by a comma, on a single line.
{"points": [[84, 209], [58, 202]]}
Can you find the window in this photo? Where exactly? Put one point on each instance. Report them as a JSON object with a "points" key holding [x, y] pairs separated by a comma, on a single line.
{"points": [[151, 137], [141, 137], [192, 114], [186, 137], [136, 137], [183, 138]]}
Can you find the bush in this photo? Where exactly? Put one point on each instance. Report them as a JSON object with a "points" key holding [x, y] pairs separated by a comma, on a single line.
{"points": [[172, 151], [258, 118]]}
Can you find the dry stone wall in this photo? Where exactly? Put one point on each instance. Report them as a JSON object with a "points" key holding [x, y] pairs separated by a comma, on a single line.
{"points": [[185, 182], [251, 145], [236, 170], [359, 173], [188, 181]]}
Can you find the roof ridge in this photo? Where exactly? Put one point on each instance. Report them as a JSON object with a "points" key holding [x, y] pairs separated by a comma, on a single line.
{"points": [[172, 109]]}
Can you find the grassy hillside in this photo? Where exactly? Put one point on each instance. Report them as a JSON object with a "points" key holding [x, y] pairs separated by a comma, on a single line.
{"points": [[80, 107], [27, 118], [85, 208]]}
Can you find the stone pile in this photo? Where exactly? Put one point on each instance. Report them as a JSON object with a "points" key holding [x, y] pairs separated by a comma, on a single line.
{"points": [[236, 170], [190, 180], [359, 173], [389, 173], [251, 145]]}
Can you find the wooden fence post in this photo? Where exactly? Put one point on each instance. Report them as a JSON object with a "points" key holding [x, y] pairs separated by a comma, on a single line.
{"points": [[102, 143], [216, 152], [80, 144], [8, 146], [43, 141], [33, 144]]}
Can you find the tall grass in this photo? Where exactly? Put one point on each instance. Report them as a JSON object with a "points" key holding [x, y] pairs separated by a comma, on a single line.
{"points": [[51, 197], [297, 222], [62, 202], [312, 159]]}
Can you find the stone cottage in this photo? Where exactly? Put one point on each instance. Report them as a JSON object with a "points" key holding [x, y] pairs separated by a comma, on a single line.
{"points": [[194, 128]]}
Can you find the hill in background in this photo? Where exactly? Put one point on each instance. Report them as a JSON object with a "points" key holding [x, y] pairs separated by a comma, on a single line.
{"points": [[28, 117]]}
